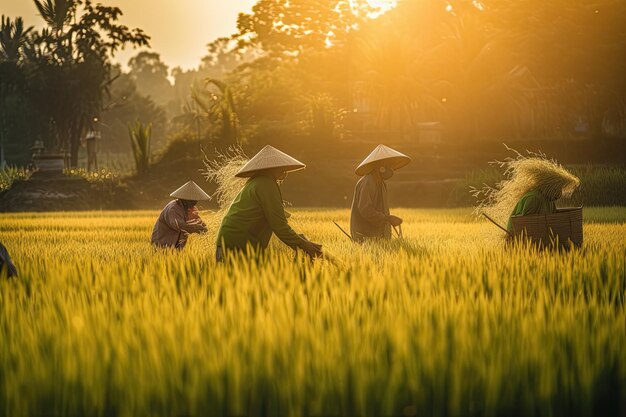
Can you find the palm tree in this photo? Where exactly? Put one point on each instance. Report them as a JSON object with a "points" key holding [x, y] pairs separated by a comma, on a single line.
{"points": [[56, 13], [13, 37]]}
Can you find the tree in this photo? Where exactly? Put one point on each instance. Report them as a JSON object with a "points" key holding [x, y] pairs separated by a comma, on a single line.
{"points": [[221, 111], [13, 37], [71, 68], [125, 105], [290, 27], [150, 76], [397, 77]]}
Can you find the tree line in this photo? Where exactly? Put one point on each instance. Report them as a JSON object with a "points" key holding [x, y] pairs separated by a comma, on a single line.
{"points": [[309, 71]]}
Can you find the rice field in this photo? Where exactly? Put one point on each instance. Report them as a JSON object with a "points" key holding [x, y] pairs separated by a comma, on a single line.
{"points": [[444, 322]]}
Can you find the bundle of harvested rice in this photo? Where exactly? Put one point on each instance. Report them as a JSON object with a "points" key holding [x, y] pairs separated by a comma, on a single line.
{"points": [[522, 175], [222, 169]]}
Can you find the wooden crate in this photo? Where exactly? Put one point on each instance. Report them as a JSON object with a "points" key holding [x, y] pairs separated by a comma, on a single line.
{"points": [[563, 228]]}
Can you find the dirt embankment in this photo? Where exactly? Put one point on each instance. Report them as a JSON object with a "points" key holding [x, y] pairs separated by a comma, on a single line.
{"points": [[45, 192]]}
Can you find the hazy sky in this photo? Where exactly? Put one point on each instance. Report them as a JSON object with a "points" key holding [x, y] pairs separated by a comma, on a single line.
{"points": [[180, 29]]}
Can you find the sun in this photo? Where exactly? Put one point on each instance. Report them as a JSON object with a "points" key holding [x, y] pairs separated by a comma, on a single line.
{"points": [[380, 6], [383, 5]]}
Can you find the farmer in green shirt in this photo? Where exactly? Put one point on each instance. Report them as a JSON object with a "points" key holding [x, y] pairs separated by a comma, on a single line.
{"points": [[257, 212], [532, 186], [535, 202]]}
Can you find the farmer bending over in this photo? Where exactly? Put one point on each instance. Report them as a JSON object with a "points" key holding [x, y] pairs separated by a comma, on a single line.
{"points": [[550, 186], [369, 216], [257, 212], [180, 218]]}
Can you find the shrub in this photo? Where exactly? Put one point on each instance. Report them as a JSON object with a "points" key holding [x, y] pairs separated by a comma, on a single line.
{"points": [[10, 174]]}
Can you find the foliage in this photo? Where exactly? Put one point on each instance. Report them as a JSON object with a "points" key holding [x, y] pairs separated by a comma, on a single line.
{"points": [[150, 75], [458, 62], [220, 109], [124, 105], [298, 25], [9, 174], [140, 137], [102, 175], [13, 36], [600, 186], [443, 323], [67, 67]]}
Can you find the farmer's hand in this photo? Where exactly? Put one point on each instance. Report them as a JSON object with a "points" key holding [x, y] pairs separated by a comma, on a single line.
{"points": [[198, 225], [312, 249], [395, 220]]}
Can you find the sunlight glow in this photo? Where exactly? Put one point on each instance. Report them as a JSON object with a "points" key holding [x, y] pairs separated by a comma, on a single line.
{"points": [[383, 5], [380, 6]]}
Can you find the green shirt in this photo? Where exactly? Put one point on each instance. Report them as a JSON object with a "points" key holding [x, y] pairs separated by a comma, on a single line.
{"points": [[254, 215], [533, 202]]}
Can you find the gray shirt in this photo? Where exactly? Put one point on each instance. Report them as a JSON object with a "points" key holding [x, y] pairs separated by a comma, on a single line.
{"points": [[175, 224], [369, 216]]}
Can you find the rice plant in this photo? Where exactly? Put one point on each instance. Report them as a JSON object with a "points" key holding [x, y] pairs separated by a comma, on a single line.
{"points": [[444, 322]]}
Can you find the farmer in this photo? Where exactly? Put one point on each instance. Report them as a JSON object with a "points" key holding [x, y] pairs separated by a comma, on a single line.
{"points": [[541, 200], [369, 216], [180, 218], [5, 263], [257, 212]]}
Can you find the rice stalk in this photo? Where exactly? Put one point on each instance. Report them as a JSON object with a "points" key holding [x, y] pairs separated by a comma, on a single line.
{"points": [[523, 173], [222, 169]]}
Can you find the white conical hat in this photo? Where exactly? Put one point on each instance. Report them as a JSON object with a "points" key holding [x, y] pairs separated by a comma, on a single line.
{"points": [[267, 158], [393, 159], [190, 191]]}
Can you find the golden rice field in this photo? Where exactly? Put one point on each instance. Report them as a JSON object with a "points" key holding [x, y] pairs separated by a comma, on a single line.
{"points": [[445, 322]]}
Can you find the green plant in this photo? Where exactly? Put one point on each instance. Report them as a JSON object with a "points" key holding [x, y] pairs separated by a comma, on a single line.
{"points": [[10, 174], [221, 110], [140, 136]]}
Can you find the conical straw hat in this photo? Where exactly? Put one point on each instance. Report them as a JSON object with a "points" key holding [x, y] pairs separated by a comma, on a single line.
{"points": [[190, 191], [268, 158], [392, 158]]}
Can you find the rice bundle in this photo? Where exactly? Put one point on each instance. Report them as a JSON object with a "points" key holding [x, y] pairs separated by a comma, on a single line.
{"points": [[523, 174], [222, 170]]}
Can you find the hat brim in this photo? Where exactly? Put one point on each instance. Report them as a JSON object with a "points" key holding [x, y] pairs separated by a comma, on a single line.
{"points": [[253, 172], [393, 162]]}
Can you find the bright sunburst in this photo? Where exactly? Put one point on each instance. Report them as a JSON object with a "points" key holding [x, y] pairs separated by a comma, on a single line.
{"points": [[380, 6], [383, 5]]}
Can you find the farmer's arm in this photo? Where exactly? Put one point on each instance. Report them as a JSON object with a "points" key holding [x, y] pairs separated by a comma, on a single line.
{"points": [[271, 202], [366, 204], [175, 218]]}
